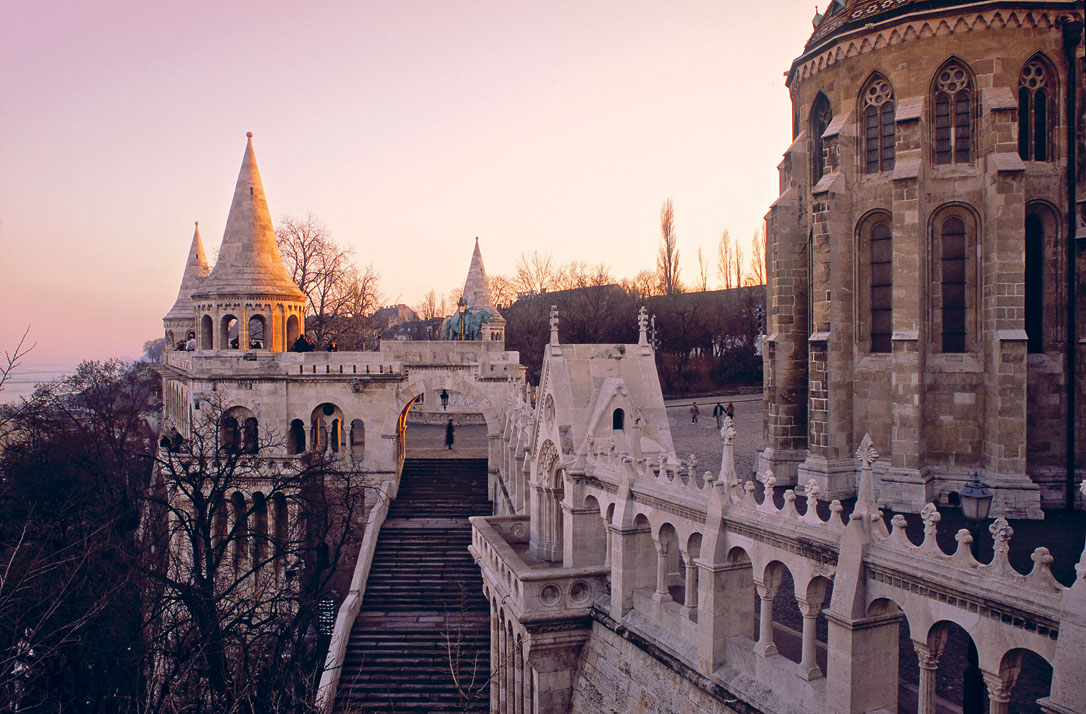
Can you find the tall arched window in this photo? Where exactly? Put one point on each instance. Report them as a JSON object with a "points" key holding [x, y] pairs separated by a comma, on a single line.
{"points": [[358, 436], [881, 256], [250, 436], [618, 420], [821, 115], [953, 105], [296, 437], [877, 109], [953, 272], [1035, 291], [240, 531], [1035, 92]]}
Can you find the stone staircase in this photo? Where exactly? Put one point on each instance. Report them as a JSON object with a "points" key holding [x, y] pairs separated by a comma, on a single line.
{"points": [[423, 614]]}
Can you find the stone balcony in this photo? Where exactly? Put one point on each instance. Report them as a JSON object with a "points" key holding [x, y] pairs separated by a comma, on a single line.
{"points": [[536, 590]]}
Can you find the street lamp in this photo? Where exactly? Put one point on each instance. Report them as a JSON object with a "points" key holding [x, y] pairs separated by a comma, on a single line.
{"points": [[461, 307], [976, 500]]}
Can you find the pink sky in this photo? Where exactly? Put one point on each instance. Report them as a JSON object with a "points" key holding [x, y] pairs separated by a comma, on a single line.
{"points": [[408, 127]]}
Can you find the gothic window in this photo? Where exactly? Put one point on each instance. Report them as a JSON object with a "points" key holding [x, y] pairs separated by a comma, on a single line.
{"points": [[953, 102], [358, 436], [1035, 283], [877, 110], [296, 437], [1034, 103], [881, 253], [821, 115], [953, 265], [618, 420]]}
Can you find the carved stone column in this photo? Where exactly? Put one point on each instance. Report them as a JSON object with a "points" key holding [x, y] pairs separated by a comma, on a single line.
{"points": [[929, 666], [690, 599], [808, 664], [494, 656], [662, 549], [499, 674], [765, 646], [518, 678], [999, 693]]}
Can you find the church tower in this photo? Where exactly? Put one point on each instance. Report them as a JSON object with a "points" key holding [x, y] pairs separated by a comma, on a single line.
{"points": [[248, 302], [181, 319]]}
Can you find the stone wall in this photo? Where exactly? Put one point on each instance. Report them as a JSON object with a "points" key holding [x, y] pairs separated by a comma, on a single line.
{"points": [[617, 676]]}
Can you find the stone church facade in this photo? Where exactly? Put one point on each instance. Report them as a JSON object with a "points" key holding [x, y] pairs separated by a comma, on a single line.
{"points": [[921, 253]]}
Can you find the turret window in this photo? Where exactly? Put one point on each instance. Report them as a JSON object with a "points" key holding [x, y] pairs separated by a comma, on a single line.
{"points": [[877, 110], [953, 102], [953, 266], [1034, 115], [881, 248]]}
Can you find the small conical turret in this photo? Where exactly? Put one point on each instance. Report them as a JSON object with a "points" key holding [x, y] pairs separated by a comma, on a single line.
{"points": [[476, 288], [249, 259], [180, 320]]}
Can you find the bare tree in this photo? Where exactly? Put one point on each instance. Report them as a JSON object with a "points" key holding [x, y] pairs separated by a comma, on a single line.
{"points": [[154, 351], [724, 261], [737, 265], [333, 287], [431, 306], [667, 260], [641, 286], [535, 274], [502, 291], [703, 273], [757, 257], [249, 543]]}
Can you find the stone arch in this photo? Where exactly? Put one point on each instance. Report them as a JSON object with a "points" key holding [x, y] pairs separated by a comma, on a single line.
{"points": [[820, 118], [778, 589], [207, 333], [259, 534], [257, 332], [954, 654], [239, 431], [294, 329], [227, 324], [358, 436], [550, 491], [876, 115], [326, 427], [1024, 677], [296, 437]]}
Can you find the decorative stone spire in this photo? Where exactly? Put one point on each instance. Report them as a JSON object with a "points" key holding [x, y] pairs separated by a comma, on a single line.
{"points": [[476, 288], [249, 260], [196, 270]]}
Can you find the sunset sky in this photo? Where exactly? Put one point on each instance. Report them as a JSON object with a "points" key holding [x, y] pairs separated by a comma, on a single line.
{"points": [[408, 127]]}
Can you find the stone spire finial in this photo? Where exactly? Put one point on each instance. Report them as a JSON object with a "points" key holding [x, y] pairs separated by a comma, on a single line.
{"points": [[554, 324], [196, 270], [249, 259], [476, 287], [865, 501], [642, 327]]}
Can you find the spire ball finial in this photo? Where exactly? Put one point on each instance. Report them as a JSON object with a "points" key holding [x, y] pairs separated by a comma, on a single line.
{"points": [[249, 134], [197, 222]]}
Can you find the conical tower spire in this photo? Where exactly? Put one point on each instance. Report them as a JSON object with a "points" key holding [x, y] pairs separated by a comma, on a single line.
{"points": [[476, 289], [249, 260], [196, 270]]}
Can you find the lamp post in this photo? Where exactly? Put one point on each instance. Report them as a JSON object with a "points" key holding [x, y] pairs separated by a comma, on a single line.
{"points": [[461, 308], [976, 500]]}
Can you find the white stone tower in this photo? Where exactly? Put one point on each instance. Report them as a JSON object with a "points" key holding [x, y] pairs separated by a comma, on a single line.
{"points": [[478, 298], [181, 319], [248, 302]]}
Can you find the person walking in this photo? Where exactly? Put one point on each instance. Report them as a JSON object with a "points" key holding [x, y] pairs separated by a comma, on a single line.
{"points": [[694, 412], [449, 434], [718, 414], [729, 410]]}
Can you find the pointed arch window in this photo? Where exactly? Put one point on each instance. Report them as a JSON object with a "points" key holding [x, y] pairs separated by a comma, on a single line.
{"points": [[1034, 115], [953, 103], [877, 111], [881, 248], [821, 116], [954, 239]]}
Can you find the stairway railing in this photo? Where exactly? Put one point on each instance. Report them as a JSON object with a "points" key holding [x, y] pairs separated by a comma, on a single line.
{"points": [[348, 610]]}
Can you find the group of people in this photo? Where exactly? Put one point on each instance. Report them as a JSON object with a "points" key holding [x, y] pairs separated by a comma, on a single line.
{"points": [[188, 345], [305, 343], [719, 412]]}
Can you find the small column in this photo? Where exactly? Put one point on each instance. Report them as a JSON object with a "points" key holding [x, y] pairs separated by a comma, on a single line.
{"points": [[808, 664], [518, 679], [765, 646], [929, 666], [493, 656], [510, 670], [526, 681], [607, 550], [499, 678], [999, 693], [661, 594], [690, 599]]}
